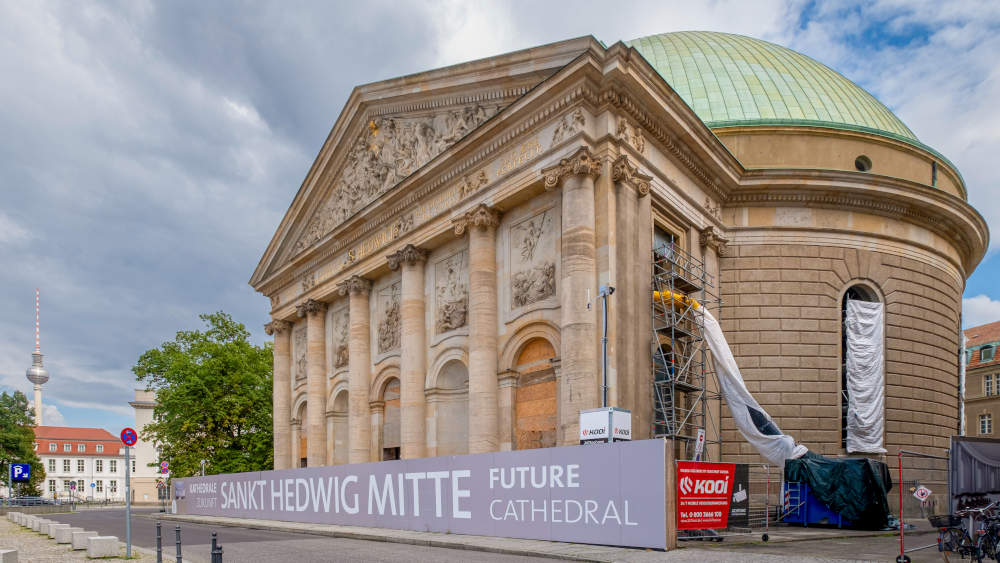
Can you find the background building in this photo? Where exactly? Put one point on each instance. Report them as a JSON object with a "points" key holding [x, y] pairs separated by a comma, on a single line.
{"points": [[147, 456], [434, 281], [90, 458], [982, 380]]}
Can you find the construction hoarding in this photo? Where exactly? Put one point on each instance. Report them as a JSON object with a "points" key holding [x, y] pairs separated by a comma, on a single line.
{"points": [[609, 494]]}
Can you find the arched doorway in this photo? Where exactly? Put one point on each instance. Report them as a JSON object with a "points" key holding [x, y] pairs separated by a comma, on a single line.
{"points": [[390, 420], [452, 409], [339, 428], [535, 403]]}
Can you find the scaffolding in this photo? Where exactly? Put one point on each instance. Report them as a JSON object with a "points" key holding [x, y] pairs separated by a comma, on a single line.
{"points": [[682, 403]]}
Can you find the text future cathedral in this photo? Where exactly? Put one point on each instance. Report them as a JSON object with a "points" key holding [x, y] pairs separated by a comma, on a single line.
{"points": [[434, 281]]}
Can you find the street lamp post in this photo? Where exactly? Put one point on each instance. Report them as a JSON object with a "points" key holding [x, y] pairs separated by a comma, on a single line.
{"points": [[203, 462]]}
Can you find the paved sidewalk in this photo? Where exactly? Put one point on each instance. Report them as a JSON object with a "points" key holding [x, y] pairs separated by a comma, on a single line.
{"points": [[533, 548], [34, 547]]}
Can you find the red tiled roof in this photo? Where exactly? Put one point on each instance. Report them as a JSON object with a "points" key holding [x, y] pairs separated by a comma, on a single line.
{"points": [[983, 334], [89, 437], [979, 336]]}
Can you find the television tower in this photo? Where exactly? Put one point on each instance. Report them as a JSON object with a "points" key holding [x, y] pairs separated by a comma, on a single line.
{"points": [[37, 373]]}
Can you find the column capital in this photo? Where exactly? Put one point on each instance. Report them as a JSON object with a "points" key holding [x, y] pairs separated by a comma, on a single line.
{"points": [[624, 172], [277, 326], [355, 285], [310, 307], [481, 216], [409, 254], [712, 238], [582, 162]]}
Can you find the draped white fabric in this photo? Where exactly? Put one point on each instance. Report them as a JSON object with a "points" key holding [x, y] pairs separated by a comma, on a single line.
{"points": [[865, 377], [753, 423]]}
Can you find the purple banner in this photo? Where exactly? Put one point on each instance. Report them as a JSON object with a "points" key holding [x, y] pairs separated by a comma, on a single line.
{"points": [[609, 494]]}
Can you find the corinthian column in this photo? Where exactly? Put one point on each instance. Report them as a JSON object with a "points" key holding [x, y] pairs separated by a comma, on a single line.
{"points": [[315, 314], [579, 386], [632, 296], [481, 224], [359, 360], [281, 395], [413, 349]]}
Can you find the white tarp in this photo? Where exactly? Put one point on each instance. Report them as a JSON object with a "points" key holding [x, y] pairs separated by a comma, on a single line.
{"points": [[865, 377], [755, 424]]}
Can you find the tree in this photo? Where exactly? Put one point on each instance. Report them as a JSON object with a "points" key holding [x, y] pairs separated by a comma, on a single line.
{"points": [[17, 440], [213, 395]]}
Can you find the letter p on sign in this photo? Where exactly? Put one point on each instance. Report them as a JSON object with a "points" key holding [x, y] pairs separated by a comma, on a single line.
{"points": [[20, 472]]}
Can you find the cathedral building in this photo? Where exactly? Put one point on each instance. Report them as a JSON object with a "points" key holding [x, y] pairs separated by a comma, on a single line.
{"points": [[435, 282]]}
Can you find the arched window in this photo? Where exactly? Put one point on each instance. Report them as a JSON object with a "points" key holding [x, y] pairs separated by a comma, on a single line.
{"points": [[854, 293]]}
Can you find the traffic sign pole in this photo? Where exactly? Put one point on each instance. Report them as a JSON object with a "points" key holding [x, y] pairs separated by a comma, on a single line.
{"points": [[128, 507], [129, 438]]}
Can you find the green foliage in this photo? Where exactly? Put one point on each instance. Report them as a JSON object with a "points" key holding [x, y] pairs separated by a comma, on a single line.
{"points": [[213, 394], [17, 440]]}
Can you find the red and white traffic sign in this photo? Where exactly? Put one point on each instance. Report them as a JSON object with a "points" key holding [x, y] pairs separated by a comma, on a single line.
{"points": [[704, 491], [922, 493], [129, 437]]}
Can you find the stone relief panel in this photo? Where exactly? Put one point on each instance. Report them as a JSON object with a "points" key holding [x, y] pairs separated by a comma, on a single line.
{"points": [[569, 124], [340, 324], [532, 260], [451, 291], [389, 319], [389, 150], [299, 343]]}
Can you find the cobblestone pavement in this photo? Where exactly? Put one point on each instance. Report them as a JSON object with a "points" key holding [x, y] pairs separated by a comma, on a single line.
{"points": [[34, 547]]}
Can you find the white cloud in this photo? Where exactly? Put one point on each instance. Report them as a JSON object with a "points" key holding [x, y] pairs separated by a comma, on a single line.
{"points": [[51, 415], [980, 310]]}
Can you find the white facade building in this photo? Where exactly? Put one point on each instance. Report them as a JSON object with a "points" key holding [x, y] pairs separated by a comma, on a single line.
{"points": [[81, 463]]}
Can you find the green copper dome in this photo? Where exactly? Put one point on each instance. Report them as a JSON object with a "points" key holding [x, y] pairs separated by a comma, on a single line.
{"points": [[732, 80]]}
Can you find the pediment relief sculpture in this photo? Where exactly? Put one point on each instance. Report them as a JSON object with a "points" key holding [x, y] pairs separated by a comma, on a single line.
{"points": [[451, 293], [386, 152]]}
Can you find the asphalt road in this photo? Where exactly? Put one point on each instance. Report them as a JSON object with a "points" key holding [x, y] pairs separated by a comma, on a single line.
{"points": [[245, 544]]}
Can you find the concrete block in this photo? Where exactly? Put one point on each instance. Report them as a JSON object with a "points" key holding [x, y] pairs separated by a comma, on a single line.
{"points": [[8, 556], [12, 515], [55, 526], [26, 520], [102, 546], [43, 526], [65, 535], [36, 523], [79, 540]]}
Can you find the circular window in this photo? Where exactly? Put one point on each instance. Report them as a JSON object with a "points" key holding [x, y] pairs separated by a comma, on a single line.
{"points": [[863, 163]]}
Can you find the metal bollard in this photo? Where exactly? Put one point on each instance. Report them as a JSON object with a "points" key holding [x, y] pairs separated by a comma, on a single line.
{"points": [[216, 550], [159, 544], [177, 532]]}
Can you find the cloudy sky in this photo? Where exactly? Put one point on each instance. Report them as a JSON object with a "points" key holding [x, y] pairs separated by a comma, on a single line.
{"points": [[149, 150]]}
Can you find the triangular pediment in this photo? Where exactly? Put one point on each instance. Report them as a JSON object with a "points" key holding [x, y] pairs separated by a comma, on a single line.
{"points": [[385, 152], [389, 130]]}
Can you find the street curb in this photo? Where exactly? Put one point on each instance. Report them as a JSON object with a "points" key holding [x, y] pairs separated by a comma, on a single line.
{"points": [[430, 542]]}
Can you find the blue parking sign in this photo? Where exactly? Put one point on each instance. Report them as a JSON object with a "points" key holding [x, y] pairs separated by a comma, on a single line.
{"points": [[20, 472]]}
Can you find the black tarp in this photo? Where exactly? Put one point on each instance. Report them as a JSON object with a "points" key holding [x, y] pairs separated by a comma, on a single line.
{"points": [[974, 468], [855, 488]]}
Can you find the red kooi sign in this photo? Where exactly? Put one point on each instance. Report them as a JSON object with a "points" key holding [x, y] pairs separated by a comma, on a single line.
{"points": [[703, 494]]}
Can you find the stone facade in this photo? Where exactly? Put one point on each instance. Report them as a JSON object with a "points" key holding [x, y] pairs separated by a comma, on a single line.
{"points": [[982, 381], [444, 301]]}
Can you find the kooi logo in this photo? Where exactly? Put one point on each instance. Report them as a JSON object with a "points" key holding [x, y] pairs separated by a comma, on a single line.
{"points": [[686, 483]]}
